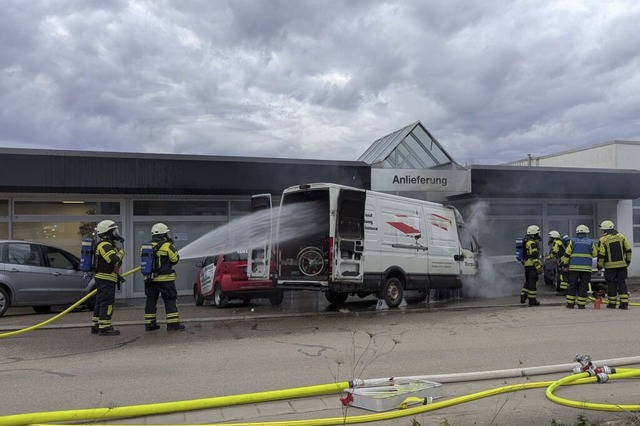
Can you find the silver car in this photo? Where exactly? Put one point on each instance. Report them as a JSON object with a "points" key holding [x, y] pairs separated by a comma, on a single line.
{"points": [[39, 275]]}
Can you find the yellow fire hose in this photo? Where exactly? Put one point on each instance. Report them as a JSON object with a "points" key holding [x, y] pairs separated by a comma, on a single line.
{"points": [[61, 314], [223, 401]]}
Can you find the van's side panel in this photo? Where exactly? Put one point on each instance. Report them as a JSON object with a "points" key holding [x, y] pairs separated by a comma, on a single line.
{"points": [[400, 242]]}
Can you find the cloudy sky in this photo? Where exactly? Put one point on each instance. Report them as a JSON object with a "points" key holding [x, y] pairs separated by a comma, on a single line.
{"points": [[492, 80]]}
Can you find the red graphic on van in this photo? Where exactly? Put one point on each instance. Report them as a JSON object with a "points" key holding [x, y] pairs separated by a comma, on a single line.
{"points": [[440, 221], [405, 228]]}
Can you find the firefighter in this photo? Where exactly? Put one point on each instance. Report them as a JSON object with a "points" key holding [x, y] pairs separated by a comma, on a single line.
{"points": [[578, 261], [108, 259], [614, 255], [162, 281], [532, 265], [556, 252]]}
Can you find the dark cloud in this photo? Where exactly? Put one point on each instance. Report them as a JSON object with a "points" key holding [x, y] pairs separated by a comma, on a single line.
{"points": [[492, 80]]}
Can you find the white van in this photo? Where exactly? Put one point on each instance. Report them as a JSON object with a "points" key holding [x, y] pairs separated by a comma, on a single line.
{"points": [[363, 242]]}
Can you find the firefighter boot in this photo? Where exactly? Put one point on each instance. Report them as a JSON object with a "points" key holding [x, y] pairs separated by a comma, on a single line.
{"points": [[570, 305], [175, 327], [623, 305], [611, 305], [523, 297], [533, 302], [151, 326], [94, 329], [108, 331]]}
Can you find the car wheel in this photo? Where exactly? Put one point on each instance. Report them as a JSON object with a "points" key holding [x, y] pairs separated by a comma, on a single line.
{"points": [[4, 301], [197, 297], [276, 297], [219, 298], [42, 309], [336, 298], [392, 292]]}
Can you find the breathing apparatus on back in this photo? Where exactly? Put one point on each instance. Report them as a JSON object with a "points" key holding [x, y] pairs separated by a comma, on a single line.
{"points": [[106, 230], [149, 264]]}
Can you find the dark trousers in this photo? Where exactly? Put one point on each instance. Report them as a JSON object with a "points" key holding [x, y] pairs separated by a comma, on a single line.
{"points": [[105, 298], [578, 285], [616, 279], [530, 287], [166, 289]]}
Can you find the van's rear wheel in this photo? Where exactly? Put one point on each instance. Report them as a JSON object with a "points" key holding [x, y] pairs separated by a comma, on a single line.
{"points": [[276, 297], [392, 292], [336, 298]]}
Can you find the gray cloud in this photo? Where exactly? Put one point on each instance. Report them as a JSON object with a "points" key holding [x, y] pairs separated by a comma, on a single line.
{"points": [[492, 80]]}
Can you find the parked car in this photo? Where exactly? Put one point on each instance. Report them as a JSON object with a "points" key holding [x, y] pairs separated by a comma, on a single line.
{"points": [[552, 278], [39, 275], [224, 277]]}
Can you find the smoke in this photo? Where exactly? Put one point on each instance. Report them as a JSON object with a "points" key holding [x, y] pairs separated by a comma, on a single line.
{"points": [[256, 229], [497, 275]]}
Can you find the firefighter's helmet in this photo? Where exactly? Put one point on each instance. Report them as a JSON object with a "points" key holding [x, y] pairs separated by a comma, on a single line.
{"points": [[582, 229], [159, 229], [607, 225], [533, 230], [105, 226], [554, 234]]}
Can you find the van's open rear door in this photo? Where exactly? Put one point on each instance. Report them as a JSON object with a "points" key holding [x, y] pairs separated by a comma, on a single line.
{"points": [[349, 236], [259, 257]]}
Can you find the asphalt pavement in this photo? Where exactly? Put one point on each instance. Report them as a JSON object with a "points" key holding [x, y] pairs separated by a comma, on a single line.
{"points": [[130, 313]]}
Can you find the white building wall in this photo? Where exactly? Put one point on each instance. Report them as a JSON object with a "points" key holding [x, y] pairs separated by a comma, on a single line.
{"points": [[614, 155]]}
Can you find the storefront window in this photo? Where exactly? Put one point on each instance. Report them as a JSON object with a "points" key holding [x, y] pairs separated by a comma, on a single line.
{"points": [[499, 209], [582, 209], [4, 231], [65, 235], [180, 208], [66, 208], [4, 208]]}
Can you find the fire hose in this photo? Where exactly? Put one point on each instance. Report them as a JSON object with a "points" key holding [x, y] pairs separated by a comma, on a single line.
{"points": [[586, 372], [63, 313]]}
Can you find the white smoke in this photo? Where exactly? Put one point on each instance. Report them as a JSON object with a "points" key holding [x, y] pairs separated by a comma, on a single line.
{"points": [[495, 273]]}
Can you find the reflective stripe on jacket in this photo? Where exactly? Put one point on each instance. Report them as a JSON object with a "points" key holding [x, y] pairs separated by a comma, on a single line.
{"points": [[579, 254], [614, 251], [107, 259], [166, 257], [531, 253]]}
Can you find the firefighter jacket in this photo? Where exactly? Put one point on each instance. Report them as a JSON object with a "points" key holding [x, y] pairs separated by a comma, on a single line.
{"points": [[531, 253], [166, 256], [557, 249], [108, 260], [614, 251], [579, 254]]}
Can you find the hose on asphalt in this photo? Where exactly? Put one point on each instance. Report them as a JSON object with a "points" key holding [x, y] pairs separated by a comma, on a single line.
{"points": [[92, 414], [61, 314]]}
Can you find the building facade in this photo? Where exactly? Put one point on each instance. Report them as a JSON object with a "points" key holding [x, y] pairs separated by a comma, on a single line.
{"points": [[58, 196]]}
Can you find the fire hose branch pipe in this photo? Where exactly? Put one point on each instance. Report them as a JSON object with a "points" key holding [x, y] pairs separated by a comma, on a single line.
{"points": [[63, 313]]}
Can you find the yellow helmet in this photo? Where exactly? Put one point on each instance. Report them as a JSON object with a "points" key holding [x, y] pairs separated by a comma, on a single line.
{"points": [[582, 229], [533, 230], [159, 229], [607, 225], [554, 234], [105, 226]]}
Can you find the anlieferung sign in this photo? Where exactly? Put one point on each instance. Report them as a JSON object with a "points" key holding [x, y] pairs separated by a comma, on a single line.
{"points": [[421, 180]]}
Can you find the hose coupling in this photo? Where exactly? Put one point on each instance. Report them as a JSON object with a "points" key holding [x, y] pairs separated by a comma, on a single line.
{"points": [[585, 364], [356, 383], [602, 377], [605, 369]]}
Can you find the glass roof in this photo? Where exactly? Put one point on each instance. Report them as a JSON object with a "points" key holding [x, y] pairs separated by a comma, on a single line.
{"points": [[411, 147]]}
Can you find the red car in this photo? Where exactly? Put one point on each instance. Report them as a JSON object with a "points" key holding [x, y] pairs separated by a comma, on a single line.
{"points": [[224, 277]]}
